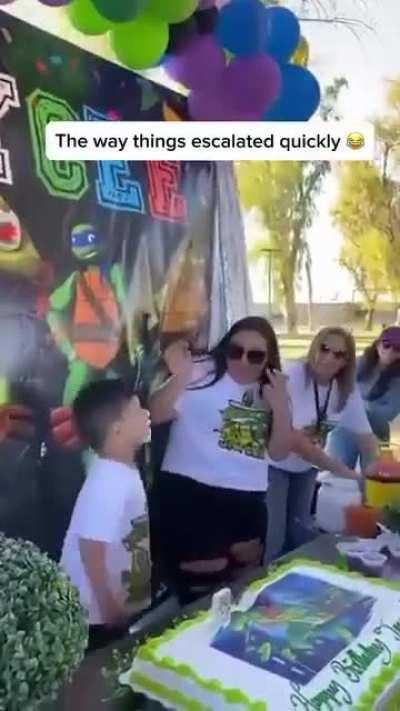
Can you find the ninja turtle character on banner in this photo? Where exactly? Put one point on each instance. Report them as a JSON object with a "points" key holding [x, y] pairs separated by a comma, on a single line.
{"points": [[17, 254], [24, 281], [20, 260], [245, 429], [85, 314]]}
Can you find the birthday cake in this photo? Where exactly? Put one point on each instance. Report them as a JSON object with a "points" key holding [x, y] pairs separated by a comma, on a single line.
{"points": [[308, 636]]}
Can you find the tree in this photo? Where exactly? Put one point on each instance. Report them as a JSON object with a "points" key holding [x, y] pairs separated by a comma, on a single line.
{"points": [[388, 135], [284, 194], [353, 18], [367, 213]]}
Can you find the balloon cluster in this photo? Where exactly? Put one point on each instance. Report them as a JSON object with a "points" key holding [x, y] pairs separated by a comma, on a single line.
{"points": [[138, 29], [240, 59], [251, 66]]}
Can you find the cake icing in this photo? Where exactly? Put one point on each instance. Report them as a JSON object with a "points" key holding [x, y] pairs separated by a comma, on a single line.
{"points": [[309, 636]]}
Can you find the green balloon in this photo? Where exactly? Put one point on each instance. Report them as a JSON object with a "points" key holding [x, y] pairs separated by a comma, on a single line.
{"points": [[120, 10], [85, 18], [172, 11], [140, 44]]}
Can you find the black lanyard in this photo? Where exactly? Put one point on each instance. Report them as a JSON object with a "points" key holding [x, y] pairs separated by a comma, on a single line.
{"points": [[321, 412]]}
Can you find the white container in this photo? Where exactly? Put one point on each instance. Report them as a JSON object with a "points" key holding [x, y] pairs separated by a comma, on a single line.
{"points": [[334, 496]]}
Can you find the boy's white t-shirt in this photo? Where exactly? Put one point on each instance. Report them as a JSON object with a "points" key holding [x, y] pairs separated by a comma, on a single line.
{"points": [[111, 507], [304, 412], [218, 436]]}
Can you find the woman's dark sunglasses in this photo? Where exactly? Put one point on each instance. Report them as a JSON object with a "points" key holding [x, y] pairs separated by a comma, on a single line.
{"points": [[254, 356], [339, 355], [390, 346]]}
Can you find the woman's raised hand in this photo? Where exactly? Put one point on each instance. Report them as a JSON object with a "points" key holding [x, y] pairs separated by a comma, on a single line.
{"points": [[178, 360], [275, 392]]}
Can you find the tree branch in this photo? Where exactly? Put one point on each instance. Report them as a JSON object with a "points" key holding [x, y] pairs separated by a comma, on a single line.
{"points": [[351, 24]]}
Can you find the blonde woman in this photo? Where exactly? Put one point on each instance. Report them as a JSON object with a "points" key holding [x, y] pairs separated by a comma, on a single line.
{"points": [[323, 394]]}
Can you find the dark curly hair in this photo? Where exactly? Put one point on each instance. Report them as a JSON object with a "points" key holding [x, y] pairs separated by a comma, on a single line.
{"points": [[367, 364]]}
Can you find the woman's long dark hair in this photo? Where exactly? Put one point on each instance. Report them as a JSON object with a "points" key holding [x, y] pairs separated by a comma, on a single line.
{"points": [[368, 362], [250, 323]]}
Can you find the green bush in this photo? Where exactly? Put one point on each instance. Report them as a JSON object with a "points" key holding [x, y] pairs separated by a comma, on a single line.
{"points": [[43, 629]]}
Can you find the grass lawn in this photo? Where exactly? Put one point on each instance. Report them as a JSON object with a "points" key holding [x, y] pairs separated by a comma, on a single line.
{"points": [[293, 347]]}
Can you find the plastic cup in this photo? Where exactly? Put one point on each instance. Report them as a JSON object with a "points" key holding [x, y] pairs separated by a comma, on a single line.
{"points": [[354, 560], [373, 563], [394, 550], [361, 521]]}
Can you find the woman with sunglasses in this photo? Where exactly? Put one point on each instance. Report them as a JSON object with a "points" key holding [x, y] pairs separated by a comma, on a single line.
{"points": [[226, 409], [378, 377], [323, 394]]}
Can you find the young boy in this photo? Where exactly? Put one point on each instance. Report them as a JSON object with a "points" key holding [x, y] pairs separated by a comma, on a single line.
{"points": [[106, 550]]}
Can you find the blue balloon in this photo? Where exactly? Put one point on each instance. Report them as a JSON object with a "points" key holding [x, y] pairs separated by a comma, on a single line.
{"points": [[299, 98], [283, 33], [242, 27]]}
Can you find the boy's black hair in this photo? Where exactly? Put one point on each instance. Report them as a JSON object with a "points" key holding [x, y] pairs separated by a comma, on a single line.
{"points": [[97, 407]]}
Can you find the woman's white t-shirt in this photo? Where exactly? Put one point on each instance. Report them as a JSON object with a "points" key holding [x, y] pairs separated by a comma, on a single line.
{"points": [[218, 436], [112, 508], [304, 411]]}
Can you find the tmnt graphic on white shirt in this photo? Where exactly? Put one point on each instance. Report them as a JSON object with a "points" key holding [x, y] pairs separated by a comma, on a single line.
{"points": [[245, 429], [138, 579], [319, 434]]}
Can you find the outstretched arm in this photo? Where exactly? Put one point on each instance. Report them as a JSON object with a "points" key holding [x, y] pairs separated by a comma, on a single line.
{"points": [[313, 453], [117, 280], [60, 299]]}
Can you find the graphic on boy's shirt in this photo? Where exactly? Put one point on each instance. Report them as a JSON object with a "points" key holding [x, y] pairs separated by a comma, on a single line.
{"points": [[245, 429], [319, 434], [138, 578]]}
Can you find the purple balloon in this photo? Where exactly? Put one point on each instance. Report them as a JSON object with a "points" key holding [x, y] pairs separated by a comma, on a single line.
{"points": [[245, 88], [199, 65], [205, 4], [216, 106], [253, 82], [6, 2], [54, 3]]}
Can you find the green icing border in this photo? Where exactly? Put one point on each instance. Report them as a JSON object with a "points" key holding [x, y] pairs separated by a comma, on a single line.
{"points": [[171, 695], [148, 652], [392, 584]]}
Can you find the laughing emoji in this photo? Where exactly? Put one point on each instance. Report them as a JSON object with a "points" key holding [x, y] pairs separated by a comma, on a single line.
{"points": [[355, 141]]}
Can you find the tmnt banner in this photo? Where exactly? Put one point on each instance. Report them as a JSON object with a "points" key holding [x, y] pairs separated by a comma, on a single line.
{"points": [[99, 262]]}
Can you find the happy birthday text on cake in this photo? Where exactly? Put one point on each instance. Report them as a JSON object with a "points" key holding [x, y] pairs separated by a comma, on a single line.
{"points": [[352, 667]]}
